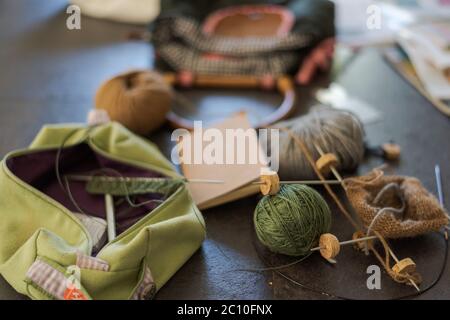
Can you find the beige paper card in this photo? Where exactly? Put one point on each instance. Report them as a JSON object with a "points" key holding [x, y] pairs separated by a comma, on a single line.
{"points": [[237, 170]]}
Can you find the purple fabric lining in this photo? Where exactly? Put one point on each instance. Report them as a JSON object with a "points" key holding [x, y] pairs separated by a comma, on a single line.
{"points": [[38, 170]]}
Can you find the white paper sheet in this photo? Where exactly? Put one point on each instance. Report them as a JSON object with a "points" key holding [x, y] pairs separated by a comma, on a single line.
{"points": [[434, 80]]}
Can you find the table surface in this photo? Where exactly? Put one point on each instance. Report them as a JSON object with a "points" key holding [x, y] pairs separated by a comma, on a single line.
{"points": [[49, 75]]}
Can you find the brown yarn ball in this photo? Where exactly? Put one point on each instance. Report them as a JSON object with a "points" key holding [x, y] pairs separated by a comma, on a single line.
{"points": [[138, 99]]}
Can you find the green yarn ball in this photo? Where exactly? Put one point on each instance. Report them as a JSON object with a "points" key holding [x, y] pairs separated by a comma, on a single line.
{"points": [[292, 221]]}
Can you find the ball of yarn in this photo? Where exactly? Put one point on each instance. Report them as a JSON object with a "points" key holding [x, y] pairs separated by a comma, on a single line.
{"points": [[335, 131], [138, 99], [292, 221]]}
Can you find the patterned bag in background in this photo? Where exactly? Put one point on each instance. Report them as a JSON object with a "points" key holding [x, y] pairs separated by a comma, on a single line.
{"points": [[240, 37]]}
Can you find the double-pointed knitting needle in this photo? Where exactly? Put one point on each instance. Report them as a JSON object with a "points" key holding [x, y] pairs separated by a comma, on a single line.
{"points": [[110, 218], [210, 181], [347, 242], [270, 182], [87, 178], [437, 172], [332, 168], [109, 202], [338, 176], [397, 261], [307, 182]]}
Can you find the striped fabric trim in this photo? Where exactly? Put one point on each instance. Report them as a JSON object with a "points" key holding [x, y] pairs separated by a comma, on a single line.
{"points": [[188, 31], [48, 279], [180, 42], [147, 288], [87, 262], [182, 58]]}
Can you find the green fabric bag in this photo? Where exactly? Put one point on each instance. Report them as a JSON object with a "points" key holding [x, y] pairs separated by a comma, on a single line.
{"points": [[46, 252]]}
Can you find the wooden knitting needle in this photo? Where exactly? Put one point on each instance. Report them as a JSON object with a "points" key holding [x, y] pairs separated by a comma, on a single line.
{"points": [[338, 176], [307, 182], [110, 218], [347, 242], [329, 245], [270, 182], [331, 166], [397, 261]]}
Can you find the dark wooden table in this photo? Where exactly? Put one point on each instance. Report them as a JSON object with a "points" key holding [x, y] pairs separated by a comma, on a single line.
{"points": [[49, 74]]}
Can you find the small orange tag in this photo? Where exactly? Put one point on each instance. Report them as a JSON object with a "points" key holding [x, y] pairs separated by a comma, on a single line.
{"points": [[74, 294]]}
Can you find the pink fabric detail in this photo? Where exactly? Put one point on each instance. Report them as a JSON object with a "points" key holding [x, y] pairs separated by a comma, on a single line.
{"points": [[48, 279], [87, 262], [287, 18]]}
